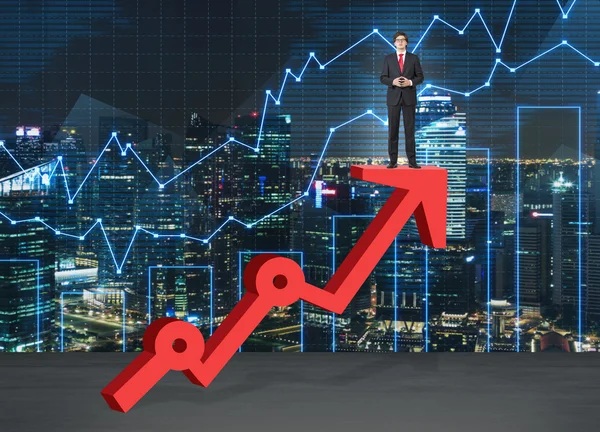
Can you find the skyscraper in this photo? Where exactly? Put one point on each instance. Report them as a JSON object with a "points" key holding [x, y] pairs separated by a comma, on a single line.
{"points": [[114, 199], [593, 279], [432, 108], [595, 170], [569, 292], [217, 198], [28, 264], [29, 145], [311, 232], [442, 143], [264, 179], [535, 265], [73, 219]]}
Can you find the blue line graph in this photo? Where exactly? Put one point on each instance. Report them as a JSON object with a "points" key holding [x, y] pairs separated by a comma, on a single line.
{"points": [[269, 95], [138, 229], [565, 13], [298, 78]]}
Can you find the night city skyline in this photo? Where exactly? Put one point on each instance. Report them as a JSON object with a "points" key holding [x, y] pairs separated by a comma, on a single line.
{"points": [[148, 152]]}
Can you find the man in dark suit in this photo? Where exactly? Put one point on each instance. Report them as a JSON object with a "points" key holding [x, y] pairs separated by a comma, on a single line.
{"points": [[401, 73]]}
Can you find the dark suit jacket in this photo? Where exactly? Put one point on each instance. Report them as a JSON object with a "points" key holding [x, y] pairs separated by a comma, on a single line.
{"points": [[412, 71]]}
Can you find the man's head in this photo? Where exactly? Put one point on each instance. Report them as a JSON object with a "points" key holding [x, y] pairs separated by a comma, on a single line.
{"points": [[400, 40]]}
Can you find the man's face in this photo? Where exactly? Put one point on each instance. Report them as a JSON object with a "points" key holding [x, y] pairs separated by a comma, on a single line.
{"points": [[401, 43]]}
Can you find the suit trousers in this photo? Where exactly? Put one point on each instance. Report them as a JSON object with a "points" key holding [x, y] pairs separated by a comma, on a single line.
{"points": [[408, 112]]}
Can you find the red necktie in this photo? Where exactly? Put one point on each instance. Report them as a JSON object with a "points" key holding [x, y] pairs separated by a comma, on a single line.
{"points": [[401, 62]]}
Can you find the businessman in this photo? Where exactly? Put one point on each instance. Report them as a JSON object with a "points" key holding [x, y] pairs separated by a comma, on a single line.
{"points": [[401, 73]]}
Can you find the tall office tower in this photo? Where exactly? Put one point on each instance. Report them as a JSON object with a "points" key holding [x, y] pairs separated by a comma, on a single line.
{"points": [[228, 240], [73, 218], [347, 231], [593, 280], [595, 170], [496, 256], [503, 245], [394, 293], [312, 233], [432, 108], [391, 298], [160, 211], [265, 180], [507, 265], [535, 266], [484, 267], [27, 298], [67, 144], [568, 257], [258, 184], [353, 218], [450, 288], [200, 136], [442, 143], [261, 181], [207, 214], [180, 303], [478, 231], [400, 274], [29, 149], [182, 291], [199, 216], [503, 199], [114, 197], [376, 311]]}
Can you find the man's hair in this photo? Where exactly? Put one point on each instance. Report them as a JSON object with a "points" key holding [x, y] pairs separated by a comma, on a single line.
{"points": [[399, 34]]}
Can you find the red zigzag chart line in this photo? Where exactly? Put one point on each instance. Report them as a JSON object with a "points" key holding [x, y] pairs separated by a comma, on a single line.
{"points": [[272, 280]]}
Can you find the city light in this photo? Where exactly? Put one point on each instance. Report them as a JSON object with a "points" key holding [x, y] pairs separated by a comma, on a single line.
{"points": [[201, 198]]}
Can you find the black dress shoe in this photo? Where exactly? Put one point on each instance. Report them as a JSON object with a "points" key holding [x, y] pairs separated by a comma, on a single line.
{"points": [[392, 165], [414, 165]]}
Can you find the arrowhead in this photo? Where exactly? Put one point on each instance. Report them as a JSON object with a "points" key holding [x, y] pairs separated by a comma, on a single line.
{"points": [[430, 183]]}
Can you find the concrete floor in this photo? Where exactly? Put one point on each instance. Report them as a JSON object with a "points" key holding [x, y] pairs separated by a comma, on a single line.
{"points": [[312, 391]]}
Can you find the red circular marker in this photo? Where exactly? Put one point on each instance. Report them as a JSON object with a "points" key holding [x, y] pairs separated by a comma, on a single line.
{"points": [[276, 279], [169, 344], [178, 344]]}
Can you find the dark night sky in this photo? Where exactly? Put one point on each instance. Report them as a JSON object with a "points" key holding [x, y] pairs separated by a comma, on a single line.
{"points": [[151, 58], [160, 60]]}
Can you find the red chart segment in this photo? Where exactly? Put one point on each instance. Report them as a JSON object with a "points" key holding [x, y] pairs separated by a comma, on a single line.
{"points": [[272, 280]]}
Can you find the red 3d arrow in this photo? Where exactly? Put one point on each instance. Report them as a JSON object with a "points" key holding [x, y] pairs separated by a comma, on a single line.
{"points": [[272, 280]]}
